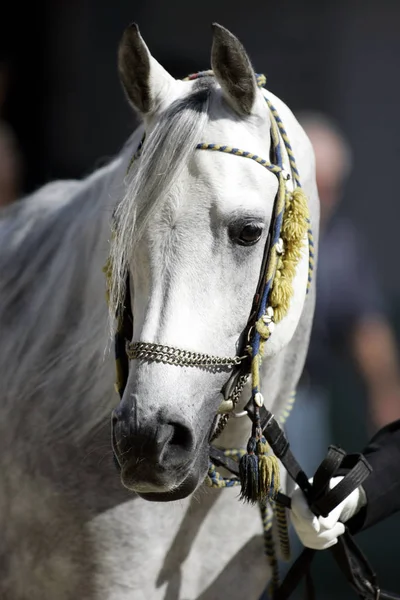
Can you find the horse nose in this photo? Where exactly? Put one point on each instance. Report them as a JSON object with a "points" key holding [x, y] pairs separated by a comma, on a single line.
{"points": [[163, 441]]}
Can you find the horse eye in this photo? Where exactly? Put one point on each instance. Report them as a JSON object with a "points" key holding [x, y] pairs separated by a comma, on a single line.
{"points": [[249, 234]]}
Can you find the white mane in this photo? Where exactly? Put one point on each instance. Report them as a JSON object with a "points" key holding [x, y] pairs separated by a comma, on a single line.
{"points": [[52, 301]]}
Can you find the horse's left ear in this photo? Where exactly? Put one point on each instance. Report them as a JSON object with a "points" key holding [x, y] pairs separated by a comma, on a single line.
{"points": [[144, 80], [233, 70]]}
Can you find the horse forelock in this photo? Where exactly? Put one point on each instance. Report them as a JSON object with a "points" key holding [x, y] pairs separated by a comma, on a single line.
{"points": [[166, 151]]}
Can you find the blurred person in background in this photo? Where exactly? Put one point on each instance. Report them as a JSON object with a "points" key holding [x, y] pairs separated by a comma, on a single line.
{"points": [[10, 167], [350, 318], [10, 159]]}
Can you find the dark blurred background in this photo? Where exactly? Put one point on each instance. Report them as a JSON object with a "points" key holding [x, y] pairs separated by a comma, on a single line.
{"points": [[62, 106]]}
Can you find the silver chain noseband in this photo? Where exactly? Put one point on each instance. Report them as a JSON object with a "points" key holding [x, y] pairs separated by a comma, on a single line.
{"points": [[175, 356], [185, 358]]}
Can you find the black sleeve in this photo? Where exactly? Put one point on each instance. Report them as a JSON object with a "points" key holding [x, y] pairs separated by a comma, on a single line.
{"points": [[382, 487]]}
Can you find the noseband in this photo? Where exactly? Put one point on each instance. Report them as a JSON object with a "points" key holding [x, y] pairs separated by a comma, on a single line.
{"points": [[174, 356]]}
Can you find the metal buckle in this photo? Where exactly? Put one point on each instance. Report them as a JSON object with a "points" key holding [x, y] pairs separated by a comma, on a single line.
{"points": [[239, 415], [375, 589]]}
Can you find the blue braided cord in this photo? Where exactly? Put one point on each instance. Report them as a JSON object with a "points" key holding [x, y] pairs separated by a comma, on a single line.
{"points": [[275, 239], [216, 478], [256, 339], [246, 154], [279, 155], [286, 141], [296, 173], [235, 453], [256, 336], [311, 257], [278, 150]]}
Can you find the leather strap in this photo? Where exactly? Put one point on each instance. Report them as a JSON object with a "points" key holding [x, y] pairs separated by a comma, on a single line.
{"points": [[322, 501]]}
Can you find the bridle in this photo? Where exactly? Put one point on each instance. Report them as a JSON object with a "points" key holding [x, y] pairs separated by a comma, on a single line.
{"points": [[257, 471], [261, 320]]}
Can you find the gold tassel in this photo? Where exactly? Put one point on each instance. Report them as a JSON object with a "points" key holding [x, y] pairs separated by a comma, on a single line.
{"points": [[268, 472], [293, 232], [294, 226]]}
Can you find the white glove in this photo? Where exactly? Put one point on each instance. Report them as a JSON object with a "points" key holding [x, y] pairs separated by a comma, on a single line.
{"points": [[323, 532]]}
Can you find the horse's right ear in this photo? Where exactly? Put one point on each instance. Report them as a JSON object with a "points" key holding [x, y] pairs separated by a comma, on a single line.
{"points": [[233, 70], [144, 80]]}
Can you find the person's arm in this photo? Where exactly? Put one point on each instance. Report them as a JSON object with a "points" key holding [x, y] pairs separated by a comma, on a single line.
{"points": [[382, 487], [358, 320], [374, 350], [377, 499]]}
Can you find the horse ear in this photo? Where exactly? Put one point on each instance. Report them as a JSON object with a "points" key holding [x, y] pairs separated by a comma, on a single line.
{"points": [[144, 80], [233, 70]]}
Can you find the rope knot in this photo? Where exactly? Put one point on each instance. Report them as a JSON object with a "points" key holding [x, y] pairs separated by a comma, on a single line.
{"points": [[263, 329]]}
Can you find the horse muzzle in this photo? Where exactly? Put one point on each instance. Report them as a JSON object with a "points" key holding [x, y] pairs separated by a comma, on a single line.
{"points": [[156, 457]]}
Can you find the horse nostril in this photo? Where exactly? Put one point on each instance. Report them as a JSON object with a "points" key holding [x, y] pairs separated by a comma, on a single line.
{"points": [[182, 437]]}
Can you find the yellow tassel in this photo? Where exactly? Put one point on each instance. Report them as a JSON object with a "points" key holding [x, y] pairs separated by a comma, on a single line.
{"points": [[268, 472], [265, 475], [280, 264], [289, 267], [282, 292], [262, 447], [292, 250], [294, 226], [280, 312], [293, 232]]}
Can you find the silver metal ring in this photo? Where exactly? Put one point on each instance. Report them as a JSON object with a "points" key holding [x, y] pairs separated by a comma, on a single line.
{"points": [[239, 415]]}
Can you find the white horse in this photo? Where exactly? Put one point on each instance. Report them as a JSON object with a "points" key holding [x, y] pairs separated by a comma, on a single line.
{"points": [[195, 225]]}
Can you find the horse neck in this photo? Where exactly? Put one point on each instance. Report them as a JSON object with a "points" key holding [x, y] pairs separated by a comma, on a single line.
{"points": [[54, 319]]}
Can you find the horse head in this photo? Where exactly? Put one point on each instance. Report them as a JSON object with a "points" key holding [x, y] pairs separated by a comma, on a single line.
{"points": [[190, 233]]}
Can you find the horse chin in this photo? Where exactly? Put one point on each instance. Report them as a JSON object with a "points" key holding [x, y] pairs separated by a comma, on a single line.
{"points": [[162, 490], [187, 487]]}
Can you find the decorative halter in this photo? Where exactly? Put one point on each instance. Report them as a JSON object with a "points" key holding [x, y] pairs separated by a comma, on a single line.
{"points": [[259, 470]]}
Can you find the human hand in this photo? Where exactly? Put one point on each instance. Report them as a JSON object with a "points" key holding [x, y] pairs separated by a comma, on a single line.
{"points": [[321, 533]]}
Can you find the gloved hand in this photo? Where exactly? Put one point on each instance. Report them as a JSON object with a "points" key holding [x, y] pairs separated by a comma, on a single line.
{"points": [[323, 532]]}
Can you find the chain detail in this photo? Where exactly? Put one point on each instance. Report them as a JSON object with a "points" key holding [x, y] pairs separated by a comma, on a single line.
{"points": [[234, 397], [176, 356]]}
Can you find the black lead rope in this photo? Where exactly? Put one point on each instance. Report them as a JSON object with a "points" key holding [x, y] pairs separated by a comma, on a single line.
{"points": [[322, 500]]}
